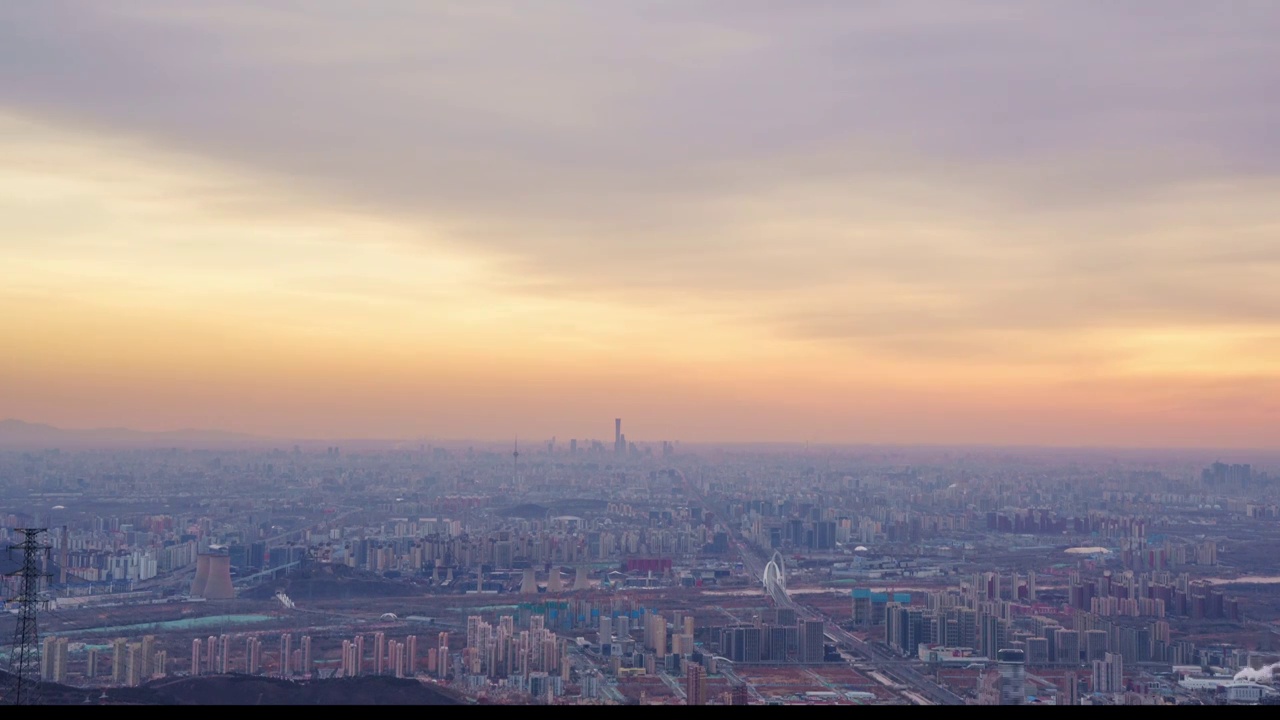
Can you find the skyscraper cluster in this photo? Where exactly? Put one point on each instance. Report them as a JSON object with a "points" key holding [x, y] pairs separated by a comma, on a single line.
{"points": [[389, 656], [503, 652]]}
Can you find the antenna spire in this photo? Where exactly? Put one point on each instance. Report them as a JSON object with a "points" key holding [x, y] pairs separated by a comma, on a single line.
{"points": [[515, 459]]}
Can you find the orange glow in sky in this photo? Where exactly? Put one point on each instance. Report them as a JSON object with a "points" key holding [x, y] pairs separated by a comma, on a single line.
{"points": [[388, 283]]}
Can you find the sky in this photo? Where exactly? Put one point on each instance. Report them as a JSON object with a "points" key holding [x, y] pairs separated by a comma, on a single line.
{"points": [[885, 221]]}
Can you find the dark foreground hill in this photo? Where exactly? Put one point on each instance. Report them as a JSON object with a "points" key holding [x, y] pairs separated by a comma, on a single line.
{"points": [[254, 690]]}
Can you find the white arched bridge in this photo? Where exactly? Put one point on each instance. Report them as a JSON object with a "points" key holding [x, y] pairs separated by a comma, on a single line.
{"points": [[775, 579]]}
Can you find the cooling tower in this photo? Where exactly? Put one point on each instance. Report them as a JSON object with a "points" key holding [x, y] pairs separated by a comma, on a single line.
{"points": [[202, 576], [529, 586], [555, 584], [580, 581], [219, 585]]}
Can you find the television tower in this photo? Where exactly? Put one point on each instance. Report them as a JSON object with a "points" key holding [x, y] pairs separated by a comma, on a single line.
{"points": [[515, 459], [24, 657]]}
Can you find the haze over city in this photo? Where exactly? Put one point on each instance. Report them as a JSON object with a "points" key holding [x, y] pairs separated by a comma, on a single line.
{"points": [[640, 353], [727, 220]]}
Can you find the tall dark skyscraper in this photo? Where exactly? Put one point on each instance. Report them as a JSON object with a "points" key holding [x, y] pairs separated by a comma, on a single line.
{"points": [[812, 636], [618, 447]]}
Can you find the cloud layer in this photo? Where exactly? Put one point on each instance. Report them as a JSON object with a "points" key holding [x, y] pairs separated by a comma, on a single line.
{"points": [[1037, 197]]}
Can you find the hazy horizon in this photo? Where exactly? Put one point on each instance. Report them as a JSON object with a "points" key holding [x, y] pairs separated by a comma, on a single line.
{"points": [[874, 223], [221, 438]]}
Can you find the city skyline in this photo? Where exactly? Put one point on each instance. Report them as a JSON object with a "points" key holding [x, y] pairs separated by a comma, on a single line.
{"points": [[16, 434], [723, 221]]}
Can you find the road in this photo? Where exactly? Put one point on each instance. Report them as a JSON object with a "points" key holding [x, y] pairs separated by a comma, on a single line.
{"points": [[884, 662], [726, 669], [674, 686]]}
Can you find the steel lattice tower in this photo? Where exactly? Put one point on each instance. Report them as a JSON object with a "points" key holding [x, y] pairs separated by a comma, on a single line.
{"points": [[24, 658]]}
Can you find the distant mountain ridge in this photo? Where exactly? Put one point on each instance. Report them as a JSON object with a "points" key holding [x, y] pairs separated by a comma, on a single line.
{"points": [[18, 434]]}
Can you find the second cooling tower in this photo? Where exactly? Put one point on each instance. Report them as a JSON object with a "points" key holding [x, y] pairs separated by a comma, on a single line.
{"points": [[202, 576], [219, 585]]}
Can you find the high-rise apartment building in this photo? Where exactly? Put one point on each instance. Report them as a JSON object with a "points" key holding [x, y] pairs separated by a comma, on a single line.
{"points": [[1108, 674], [253, 655], [286, 654], [306, 656], [148, 656], [1068, 690], [695, 685], [133, 665], [119, 661], [224, 654], [442, 655], [1037, 651], [1095, 644], [1066, 646], [53, 660], [395, 658], [46, 658]]}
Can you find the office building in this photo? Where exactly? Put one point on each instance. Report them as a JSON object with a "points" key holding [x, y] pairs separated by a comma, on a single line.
{"points": [[1011, 664], [812, 639]]}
